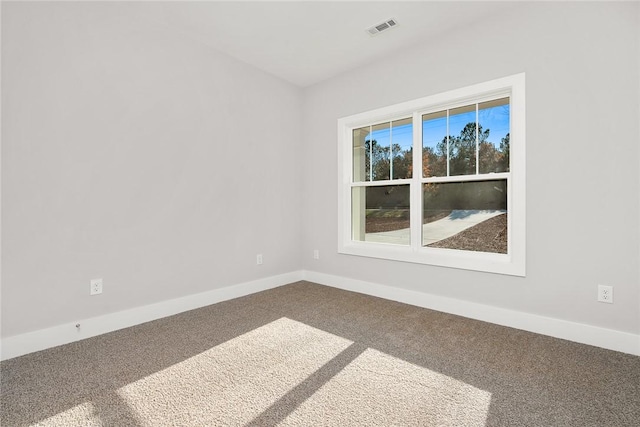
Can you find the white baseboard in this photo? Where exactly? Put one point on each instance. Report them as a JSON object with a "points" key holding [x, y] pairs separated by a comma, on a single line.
{"points": [[578, 332], [42, 339]]}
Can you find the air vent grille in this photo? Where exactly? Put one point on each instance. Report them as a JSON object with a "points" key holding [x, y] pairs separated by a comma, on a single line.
{"points": [[376, 29]]}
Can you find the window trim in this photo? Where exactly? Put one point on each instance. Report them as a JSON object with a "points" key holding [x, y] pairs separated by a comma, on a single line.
{"points": [[512, 263]]}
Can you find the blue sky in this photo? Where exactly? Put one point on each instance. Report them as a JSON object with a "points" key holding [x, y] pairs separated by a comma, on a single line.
{"points": [[496, 119]]}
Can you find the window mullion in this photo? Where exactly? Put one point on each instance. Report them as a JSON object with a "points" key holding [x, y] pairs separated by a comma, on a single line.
{"points": [[370, 152], [448, 143], [390, 150], [477, 142], [415, 189]]}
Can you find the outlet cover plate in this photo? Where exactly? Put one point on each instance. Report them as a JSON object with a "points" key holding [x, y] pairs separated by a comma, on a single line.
{"points": [[605, 294], [96, 286]]}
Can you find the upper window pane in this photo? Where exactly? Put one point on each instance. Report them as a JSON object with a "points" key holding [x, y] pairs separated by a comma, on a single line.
{"points": [[375, 146], [379, 144], [402, 148], [361, 155], [462, 140], [494, 129], [467, 140], [434, 144]]}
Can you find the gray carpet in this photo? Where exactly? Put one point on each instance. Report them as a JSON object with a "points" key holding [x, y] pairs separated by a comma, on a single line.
{"points": [[310, 355]]}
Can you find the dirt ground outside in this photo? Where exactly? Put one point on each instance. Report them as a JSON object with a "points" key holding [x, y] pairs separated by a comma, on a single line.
{"points": [[488, 236]]}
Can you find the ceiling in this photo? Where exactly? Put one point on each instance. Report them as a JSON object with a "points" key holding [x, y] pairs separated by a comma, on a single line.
{"points": [[305, 42]]}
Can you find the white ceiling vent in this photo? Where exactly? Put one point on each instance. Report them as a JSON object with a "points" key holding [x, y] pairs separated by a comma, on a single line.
{"points": [[383, 26]]}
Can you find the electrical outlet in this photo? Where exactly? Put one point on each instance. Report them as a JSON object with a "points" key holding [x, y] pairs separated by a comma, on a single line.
{"points": [[96, 286], [259, 259], [316, 254], [605, 294]]}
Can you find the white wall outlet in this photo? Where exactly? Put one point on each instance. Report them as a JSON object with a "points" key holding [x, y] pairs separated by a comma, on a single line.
{"points": [[605, 293], [316, 254], [96, 286], [259, 259]]}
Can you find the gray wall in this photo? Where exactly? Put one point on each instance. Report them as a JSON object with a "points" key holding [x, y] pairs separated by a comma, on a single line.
{"points": [[132, 153], [581, 64]]}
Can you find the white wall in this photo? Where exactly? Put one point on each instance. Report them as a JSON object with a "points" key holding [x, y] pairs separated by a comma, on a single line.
{"points": [[132, 153], [581, 64]]}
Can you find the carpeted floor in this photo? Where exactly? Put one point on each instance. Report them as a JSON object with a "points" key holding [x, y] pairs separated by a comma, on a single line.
{"points": [[310, 355]]}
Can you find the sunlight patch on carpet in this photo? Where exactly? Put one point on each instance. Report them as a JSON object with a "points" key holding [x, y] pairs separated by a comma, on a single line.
{"points": [[288, 373], [232, 383], [377, 389]]}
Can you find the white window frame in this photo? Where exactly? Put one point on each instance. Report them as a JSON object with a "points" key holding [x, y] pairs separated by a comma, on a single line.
{"points": [[512, 263]]}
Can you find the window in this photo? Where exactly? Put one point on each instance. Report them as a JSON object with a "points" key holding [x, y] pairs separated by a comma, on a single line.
{"points": [[439, 180]]}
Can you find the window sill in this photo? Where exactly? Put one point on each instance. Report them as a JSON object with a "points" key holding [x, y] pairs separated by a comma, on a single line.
{"points": [[466, 260]]}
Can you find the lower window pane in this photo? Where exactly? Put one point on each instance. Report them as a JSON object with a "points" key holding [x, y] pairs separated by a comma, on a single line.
{"points": [[468, 216], [381, 214]]}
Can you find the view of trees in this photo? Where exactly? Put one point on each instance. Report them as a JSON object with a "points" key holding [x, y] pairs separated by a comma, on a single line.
{"points": [[462, 160], [378, 157]]}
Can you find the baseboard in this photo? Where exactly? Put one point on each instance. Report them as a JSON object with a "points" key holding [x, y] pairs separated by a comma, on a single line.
{"points": [[42, 339], [578, 332]]}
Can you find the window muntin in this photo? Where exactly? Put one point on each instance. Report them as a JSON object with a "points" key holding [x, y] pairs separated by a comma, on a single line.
{"points": [[452, 150], [461, 140], [435, 146], [402, 148]]}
